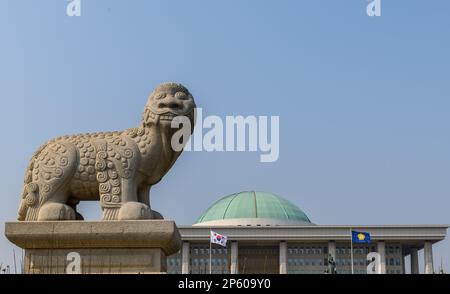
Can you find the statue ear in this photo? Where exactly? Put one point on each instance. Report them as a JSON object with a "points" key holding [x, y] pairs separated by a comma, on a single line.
{"points": [[146, 116]]}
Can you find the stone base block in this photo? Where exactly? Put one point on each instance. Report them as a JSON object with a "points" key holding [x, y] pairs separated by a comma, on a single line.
{"points": [[127, 247], [95, 261]]}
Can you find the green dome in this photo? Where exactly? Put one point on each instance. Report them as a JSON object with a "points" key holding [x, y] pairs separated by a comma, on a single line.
{"points": [[253, 208]]}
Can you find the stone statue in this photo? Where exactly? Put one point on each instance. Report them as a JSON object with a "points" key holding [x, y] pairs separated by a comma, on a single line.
{"points": [[117, 168], [331, 265]]}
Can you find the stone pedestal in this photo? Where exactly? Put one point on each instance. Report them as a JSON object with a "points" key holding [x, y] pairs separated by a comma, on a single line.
{"points": [[127, 247]]}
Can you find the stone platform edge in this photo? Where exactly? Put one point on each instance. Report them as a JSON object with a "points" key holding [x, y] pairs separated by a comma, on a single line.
{"points": [[162, 234]]}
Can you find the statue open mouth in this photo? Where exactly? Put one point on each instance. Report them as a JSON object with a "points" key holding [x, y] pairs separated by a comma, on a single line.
{"points": [[164, 116], [167, 116]]}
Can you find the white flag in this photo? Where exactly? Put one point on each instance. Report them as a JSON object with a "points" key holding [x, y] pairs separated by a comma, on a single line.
{"points": [[218, 239]]}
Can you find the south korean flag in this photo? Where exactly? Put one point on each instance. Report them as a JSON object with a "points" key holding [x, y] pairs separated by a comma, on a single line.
{"points": [[218, 239]]}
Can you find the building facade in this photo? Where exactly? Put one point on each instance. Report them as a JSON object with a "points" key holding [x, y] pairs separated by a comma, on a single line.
{"points": [[269, 235]]}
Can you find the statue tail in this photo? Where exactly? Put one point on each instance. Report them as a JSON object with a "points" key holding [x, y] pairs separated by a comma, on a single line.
{"points": [[28, 209], [30, 195]]}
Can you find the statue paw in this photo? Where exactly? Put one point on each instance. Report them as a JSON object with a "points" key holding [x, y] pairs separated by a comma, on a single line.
{"points": [[54, 211], [134, 211]]}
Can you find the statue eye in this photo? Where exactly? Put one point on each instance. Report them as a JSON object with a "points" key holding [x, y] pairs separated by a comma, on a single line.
{"points": [[160, 96], [181, 95]]}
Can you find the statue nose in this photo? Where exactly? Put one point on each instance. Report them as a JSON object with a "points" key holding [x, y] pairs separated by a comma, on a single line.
{"points": [[171, 105]]}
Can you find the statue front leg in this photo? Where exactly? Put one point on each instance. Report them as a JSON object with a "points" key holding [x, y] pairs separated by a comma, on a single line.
{"points": [[144, 197], [132, 207]]}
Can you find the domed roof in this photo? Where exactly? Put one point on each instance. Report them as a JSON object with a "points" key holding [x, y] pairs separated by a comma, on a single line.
{"points": [[253, 209]]}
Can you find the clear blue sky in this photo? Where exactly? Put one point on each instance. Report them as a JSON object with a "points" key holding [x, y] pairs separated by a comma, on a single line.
{"points": [[363, 102]]}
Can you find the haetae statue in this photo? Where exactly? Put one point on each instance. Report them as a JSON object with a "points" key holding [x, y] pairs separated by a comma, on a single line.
{"points": [[117, 168]]}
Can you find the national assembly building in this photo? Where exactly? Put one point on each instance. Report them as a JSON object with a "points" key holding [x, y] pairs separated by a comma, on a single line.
{"points": [[269, 235]]}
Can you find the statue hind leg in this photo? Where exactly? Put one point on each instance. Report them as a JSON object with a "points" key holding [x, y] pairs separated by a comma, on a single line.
{"points": [[45, 197], [54, 206], [54, 211], [45, 207]]}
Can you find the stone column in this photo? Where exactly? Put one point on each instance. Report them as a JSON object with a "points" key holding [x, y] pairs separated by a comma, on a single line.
{"points": [[403, 264], [283, 257], [414, 261], [381, 249], [185, 256], [234, 258], [332, 249], [428, 257]]}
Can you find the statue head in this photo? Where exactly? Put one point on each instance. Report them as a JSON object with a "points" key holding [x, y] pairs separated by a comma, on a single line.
{"points": [[166, 102], [330, 258]]}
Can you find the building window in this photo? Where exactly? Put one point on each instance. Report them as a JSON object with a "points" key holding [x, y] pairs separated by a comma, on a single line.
{"points": [[391, 250]]}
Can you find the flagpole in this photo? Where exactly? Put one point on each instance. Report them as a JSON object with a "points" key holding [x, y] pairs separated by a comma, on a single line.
{"points": [[210, 251], [351, 248]]}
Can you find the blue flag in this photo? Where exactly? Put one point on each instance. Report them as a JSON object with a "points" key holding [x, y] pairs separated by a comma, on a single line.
{"points": [[360, 237]]}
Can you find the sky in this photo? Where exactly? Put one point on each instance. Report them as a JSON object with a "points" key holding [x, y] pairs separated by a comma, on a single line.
{"points": [[363, 102]]}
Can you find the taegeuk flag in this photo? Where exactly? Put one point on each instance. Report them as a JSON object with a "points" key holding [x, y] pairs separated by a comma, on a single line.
{"points": [[218, 239]]}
